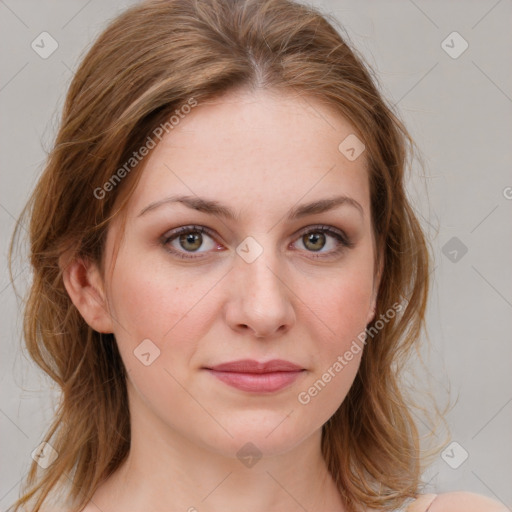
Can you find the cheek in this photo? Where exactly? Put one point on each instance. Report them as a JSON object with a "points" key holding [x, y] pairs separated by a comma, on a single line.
{"points": [[170, 307], [343, 303], [348, 303], [343, 308], [337, 353], [150, 304], [145, 302]]}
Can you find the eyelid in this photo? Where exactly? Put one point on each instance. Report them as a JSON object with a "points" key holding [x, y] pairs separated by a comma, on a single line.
{"points": [[327, 229], [344, 241], [173, 233]]}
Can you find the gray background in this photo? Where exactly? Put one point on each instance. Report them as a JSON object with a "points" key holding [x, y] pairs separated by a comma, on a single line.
{"points": [[459, 110]]}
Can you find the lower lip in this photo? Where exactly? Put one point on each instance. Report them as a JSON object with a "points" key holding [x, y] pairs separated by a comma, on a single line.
{"points": [[257, 382]]}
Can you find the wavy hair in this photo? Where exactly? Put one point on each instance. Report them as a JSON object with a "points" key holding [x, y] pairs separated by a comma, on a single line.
{"points": [[182, 49]]}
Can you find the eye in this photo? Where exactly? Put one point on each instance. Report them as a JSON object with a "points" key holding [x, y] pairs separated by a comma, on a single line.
{"points": [[186, 240], [190, 242], [324, 241]]}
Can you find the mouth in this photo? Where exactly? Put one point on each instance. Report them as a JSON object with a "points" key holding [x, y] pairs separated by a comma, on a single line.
{"points": [[257, 377]]}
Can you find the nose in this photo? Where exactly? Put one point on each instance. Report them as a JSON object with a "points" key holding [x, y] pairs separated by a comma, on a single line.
{"points": [[260, 299]]}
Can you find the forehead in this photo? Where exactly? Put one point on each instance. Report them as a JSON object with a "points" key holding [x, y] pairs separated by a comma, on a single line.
{"points": [[258, 151]]}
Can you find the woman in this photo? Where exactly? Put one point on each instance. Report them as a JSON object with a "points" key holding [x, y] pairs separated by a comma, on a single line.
{"points": [[227, 273]]}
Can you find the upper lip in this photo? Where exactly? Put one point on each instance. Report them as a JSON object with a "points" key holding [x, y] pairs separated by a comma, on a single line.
{"points": [[252, 366]]}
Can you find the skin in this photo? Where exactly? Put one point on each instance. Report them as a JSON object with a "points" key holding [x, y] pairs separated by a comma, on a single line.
{"points": [[262, 154]]}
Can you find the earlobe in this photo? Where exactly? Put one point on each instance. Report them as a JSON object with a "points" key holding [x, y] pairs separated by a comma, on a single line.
{"points": [[84, 285]]}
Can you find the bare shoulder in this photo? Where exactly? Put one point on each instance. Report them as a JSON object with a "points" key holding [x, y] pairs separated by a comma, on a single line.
{"points": [[465, 502]]}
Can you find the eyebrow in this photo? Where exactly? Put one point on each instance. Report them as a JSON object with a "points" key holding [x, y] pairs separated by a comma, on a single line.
{"points": [[212, 207]]}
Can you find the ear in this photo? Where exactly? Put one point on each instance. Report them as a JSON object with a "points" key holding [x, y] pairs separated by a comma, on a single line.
{"points": [[376, 285], [85, 287]]}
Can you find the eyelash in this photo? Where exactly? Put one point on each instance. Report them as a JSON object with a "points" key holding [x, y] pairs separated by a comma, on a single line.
{"points": [[343, 241]]}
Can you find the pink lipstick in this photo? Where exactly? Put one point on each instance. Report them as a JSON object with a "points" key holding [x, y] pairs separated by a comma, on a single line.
{"points": [[257, 377]]}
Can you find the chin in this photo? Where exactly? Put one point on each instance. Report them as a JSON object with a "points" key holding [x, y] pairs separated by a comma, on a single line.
{"points": [[254, 436]]}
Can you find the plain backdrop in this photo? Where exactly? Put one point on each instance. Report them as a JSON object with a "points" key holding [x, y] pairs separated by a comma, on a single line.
{"points": [[446, 66]]}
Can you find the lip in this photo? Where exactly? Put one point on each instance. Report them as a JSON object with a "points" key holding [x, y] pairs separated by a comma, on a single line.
{"points": [[257, 377], [252, 366]]}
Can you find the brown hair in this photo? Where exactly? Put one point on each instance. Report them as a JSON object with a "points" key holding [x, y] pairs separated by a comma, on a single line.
{"points": [[183, 49]]}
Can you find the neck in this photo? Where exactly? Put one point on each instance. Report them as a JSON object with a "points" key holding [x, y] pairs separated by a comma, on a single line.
{"points": [[167, 471]]}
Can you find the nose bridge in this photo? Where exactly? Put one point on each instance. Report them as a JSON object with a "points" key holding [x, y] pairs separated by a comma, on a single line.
{"points": [[261, 275], [263, 298]]}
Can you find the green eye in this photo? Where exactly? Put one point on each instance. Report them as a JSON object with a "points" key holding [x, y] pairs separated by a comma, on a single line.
{"points": [[185, 241], [190, 242], [317, 238], [194, 239], [314, 241]]}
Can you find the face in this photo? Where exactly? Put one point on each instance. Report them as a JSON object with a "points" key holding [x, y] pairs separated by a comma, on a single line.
{"points": [[241, 269]]}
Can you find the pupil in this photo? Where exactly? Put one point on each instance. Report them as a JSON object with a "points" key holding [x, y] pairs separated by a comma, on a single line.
{"points": [[314, 238], [190, 238]]}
